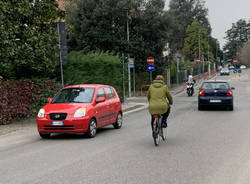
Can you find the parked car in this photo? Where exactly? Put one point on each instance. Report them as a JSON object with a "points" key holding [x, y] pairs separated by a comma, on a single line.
{"points": [[224, 71], [215, 93], [231, 67], [80, 109], [243, 67]]}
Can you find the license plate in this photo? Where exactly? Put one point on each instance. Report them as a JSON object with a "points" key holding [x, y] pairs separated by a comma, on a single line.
{"points": [[215, 101], [57, 123]]}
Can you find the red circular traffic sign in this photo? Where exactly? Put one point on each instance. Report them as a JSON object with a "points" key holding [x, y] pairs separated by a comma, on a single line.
{"points": [[235, 61], [198, 60], [150, 60]]}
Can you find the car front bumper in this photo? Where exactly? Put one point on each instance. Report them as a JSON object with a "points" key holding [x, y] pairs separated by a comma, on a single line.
{"points": [[69, 125]]}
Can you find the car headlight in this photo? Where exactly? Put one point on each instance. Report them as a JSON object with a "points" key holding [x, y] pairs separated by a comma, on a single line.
{"points": [[80, 113], [41, 113]]}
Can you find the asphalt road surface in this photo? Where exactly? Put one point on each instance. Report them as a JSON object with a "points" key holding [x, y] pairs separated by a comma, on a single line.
{"points": [[203, 147]]}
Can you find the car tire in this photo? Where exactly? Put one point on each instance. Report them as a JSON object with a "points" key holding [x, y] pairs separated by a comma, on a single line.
{"points": [[231, 107], [44, 135], [200, 107], [92, 128], [119, 121]]}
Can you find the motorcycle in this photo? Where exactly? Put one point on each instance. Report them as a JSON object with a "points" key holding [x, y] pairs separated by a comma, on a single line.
{"points": [[190, 89]]}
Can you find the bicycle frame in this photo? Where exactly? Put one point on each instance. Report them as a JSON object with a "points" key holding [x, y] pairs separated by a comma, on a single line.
{"points": [[157, 129]]}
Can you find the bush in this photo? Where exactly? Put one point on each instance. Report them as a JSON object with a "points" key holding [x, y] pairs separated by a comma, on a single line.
{"points": [[94, 68], [45, 88], [23, 98]]}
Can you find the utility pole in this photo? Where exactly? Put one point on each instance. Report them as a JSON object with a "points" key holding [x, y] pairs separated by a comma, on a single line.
{"points": [[208, 55], [61, 63], [123, 76], [129, 77], [199, 50], [177, 73]]}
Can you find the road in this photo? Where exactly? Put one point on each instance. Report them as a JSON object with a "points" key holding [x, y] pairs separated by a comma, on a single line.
{"points": [[208, 147]]}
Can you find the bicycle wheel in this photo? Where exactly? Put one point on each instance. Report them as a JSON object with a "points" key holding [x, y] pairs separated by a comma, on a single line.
{"points": [[156, 133]]}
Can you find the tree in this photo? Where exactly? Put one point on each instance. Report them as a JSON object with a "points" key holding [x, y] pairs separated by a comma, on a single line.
{"points": [[28, 47], [105, 27], [244, 54], [185, 12], [215, 48], [196, 43], [236, 37]]}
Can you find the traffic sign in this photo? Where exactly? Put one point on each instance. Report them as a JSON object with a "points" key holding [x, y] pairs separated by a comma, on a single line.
{"points": [[235, 71], [131, 65], [198, 60], [235, 61], [151, 68], [150, 60]]}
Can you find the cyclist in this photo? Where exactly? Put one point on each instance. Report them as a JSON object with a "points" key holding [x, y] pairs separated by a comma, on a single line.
{"points": [[159, 98]]}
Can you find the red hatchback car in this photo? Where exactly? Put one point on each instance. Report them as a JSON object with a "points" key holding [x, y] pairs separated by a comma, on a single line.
{"points": [[80, 109]]}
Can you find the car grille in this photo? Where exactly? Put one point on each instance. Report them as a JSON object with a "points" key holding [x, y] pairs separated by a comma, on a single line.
{"points": [[64, 127], [57, 116]]}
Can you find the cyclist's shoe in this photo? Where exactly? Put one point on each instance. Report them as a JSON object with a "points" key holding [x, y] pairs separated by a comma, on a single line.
{"points": [[164, 125]]}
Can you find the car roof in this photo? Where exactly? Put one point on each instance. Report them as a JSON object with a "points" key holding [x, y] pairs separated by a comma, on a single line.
{"points": [[86, 86], [213, 81]]}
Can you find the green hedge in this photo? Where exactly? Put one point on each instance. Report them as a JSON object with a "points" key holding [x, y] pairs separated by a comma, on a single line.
{"points": [[94, 68]]}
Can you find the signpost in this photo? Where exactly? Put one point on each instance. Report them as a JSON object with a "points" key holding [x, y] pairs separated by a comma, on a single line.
{"points": [[235, 72], [150, 60], [130, 63], [151, 68]]}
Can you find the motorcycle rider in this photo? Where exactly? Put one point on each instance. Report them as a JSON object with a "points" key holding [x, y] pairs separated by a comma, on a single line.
{"points": [[158, 94], [191, 82]]}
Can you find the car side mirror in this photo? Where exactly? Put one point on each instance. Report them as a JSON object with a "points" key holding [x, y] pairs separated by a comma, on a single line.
{"points": [[100, 99], [233, 88], [49, 100]]}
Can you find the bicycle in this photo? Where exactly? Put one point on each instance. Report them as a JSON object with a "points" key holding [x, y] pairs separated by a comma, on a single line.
{"points": [[158, 131]]}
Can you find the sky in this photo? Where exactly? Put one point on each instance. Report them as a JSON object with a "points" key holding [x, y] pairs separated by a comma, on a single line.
{"points": [[222, 13]]}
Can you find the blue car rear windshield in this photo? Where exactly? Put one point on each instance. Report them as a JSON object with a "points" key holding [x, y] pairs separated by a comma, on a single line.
{"points": [[215, 85], [74, 95]]}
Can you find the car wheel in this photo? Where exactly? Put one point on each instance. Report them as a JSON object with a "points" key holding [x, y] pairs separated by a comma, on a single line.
{"points": [[119, 120], [200, 107], [231, 107], [92, 128], [44, 135]]}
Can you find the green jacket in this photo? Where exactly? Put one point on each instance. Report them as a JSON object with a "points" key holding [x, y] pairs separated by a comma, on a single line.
{"points": [[157, 94]]}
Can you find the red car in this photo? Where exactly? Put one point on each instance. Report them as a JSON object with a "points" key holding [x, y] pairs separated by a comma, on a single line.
{"points": [[80, 109]]}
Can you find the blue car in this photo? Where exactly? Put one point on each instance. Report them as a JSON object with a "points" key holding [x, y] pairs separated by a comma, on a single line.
{"points": [[215, 94]]}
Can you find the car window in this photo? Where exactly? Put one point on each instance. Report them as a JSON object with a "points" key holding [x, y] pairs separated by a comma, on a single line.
{"points": [[110, 93], [100, 93], [74, 95], [215, 85]]}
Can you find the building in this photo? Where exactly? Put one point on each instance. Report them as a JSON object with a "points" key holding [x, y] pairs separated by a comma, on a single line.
{"points": [[63, 3]]}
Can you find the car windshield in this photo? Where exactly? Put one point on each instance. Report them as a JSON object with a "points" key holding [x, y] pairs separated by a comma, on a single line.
{"points": [[74, 95], [215, 85]]}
